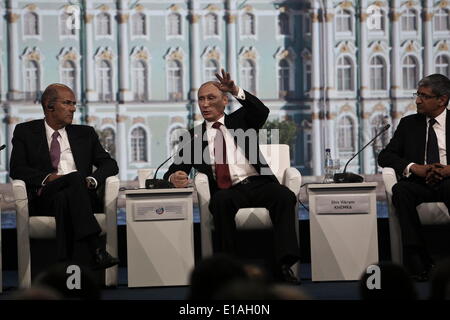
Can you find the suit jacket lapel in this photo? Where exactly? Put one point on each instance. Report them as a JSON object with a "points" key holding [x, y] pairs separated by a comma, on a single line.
{"points": [[75, 145], [421, 138], [42, 143]]}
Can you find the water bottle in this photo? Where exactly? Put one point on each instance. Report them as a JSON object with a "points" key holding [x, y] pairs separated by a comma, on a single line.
{"points": [[328, 167]]}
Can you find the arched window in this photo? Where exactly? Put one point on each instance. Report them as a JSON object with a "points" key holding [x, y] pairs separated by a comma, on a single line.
{"points": [[442, 65], [108, 140], [378, 76], [283, 24], [409, 20], [441, 20], [248, 75], [32, 80], [211, 25], [410, 71], [344, 21], [138, 145], [175, 81], [174, 24], [211, 68], [377, 123], [346, 138], [307, 75], [248, 24], [31, 24], [103, 24], [283, 78], [345, 74], [139, 25], [104, 75], [68, 74], [66, 24], [140, 78]]}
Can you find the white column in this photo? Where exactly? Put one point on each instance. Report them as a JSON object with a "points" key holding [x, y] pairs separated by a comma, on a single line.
{"points": [[91, 94], [124, 77], [194, 21], [329, 47], [363, 49], [122, 146], [13, 53], [315, 91], [428, 60], [368, 167], [395, 53]]}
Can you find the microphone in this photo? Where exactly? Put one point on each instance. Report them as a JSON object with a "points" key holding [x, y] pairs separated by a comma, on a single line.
{"points": [[3, 146], [162, 183], [349, 177]]}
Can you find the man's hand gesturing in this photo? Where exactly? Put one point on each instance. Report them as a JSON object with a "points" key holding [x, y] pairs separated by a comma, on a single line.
{"points": [[226, 84]]}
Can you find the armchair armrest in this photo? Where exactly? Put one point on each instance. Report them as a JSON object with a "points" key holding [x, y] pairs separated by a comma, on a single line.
{"points": [[293, 180], [112, 185], [389, 179], [23, 232]]}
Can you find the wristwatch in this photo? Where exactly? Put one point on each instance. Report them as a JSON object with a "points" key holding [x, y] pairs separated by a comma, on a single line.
{"points": [[91, 183]]}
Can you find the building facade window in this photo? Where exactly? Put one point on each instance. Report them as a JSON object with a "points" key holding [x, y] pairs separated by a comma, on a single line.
{"points": [[345, 74], [346, 138], [409, 20], [175, 80], [307, 76], [139, 24], [32, 80], [442, 65], [175, 138], [104, 85], [174, 24], [344, 21], [284, 24], [248, 24], [441, 20], [66, 24], [410, 72], [211, 68], [378, 77], [138, 145], [211, 25], [140, 78], [69, 75], [248, 75], [31, 24], [103, 24], [283, 78]]}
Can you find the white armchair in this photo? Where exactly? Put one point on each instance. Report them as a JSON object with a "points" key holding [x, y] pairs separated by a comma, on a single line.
{"points": [[43, 227], [430, 213], [277, 156]]}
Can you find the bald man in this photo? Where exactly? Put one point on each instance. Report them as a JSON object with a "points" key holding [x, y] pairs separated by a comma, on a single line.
{"points": [[55, 159]]}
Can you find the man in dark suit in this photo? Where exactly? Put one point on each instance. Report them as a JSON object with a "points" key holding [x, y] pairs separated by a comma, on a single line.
{"points": [[418, 154], [56, 159], [247, 182]]}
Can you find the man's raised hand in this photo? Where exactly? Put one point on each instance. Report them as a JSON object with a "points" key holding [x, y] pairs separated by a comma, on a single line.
{"points": [[226, 84]]}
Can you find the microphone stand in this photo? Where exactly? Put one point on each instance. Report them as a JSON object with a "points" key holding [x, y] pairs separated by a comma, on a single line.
{"points": [[349, 177], [162, 183]]}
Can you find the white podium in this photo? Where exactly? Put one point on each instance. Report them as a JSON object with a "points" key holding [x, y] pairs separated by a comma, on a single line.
{"points": [[160, 237], [343, 230]]}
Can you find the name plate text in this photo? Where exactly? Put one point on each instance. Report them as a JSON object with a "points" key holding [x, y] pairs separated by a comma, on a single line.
{"points": [[342, 204]]}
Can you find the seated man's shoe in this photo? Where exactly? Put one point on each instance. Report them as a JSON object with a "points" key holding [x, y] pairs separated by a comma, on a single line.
{"points": [[103, 260], [287, 276]]}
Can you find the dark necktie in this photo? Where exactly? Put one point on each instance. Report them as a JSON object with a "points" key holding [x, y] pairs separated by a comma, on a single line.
{"points": [[55, 150], [432, 144], [220, 158]]}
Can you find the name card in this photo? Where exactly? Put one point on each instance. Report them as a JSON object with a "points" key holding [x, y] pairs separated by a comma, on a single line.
{"points": [[342, 204], [159, 210]]}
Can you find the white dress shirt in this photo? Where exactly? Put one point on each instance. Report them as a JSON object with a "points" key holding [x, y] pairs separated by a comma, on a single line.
{"points": [[66, 162], [439, 128]]}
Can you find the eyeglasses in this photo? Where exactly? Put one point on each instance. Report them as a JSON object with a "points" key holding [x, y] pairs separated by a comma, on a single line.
{"points": [[423, 96]]}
